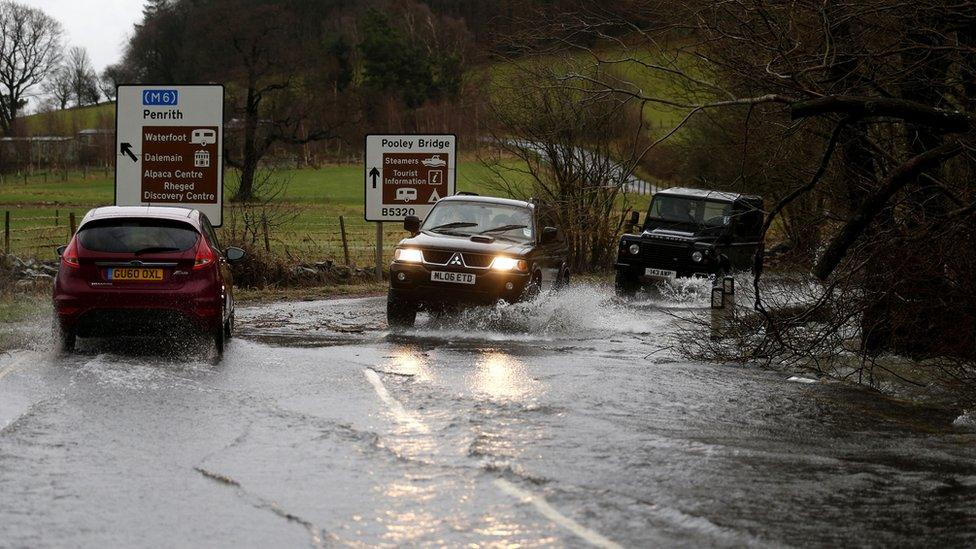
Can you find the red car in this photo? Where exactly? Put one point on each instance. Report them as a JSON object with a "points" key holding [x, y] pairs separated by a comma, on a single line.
{"points": [[144, 271]]}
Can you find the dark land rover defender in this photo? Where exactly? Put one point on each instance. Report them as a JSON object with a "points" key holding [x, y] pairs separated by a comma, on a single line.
{"points": [[690, 232], [474, 250]]}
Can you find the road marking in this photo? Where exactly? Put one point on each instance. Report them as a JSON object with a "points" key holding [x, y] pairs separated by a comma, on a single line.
{"points": [[400, 414], [15, 364], [407, 418], [550, 512]]}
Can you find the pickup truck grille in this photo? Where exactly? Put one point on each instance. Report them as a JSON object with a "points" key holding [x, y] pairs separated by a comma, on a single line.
{"points": [[443, 257], [439, 257]]}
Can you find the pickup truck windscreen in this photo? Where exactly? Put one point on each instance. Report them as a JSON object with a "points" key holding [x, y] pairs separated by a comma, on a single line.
{"points": [[480, 218]]}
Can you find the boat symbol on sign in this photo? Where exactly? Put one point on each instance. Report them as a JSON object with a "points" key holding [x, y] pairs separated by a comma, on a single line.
{"points": [[434, 162]]}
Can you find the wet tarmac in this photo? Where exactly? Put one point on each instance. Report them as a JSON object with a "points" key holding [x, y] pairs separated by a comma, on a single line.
{"points": [[565, 422]]}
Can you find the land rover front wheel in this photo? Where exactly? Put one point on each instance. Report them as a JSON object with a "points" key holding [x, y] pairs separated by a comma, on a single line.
{"points": [[400, 313], [626, 284]]}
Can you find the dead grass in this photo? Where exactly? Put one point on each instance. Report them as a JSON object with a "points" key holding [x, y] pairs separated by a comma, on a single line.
{"points": [[270, 295]]}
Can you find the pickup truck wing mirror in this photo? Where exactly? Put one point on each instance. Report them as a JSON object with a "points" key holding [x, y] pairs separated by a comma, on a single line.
{"points": [[634, 218], [60, 250], [411, 224], [549, 234]]}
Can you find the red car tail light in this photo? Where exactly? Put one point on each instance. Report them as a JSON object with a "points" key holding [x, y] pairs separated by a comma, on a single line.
{"points": [[205, 255], [70, 255]]}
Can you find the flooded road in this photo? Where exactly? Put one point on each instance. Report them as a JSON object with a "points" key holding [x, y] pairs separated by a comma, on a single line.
{"points": [[565, 422]]}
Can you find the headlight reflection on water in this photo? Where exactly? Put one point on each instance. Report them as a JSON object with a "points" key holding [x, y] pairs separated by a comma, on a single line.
{"points": [[502, 376], [410, 361]]}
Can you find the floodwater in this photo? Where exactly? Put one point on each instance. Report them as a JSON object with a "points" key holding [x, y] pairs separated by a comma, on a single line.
{"points": [[565, 422]]}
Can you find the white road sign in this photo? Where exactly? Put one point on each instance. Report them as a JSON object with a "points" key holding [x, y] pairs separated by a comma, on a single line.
{"points": [[407, 174], [169, 147]]}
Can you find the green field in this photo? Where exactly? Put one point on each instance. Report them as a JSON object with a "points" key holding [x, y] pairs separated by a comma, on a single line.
{"points": [[40, 208]]}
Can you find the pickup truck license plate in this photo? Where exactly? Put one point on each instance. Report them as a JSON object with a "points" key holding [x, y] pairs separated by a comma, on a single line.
{"points": [[456, 278], [660, 273], [135, 273]]}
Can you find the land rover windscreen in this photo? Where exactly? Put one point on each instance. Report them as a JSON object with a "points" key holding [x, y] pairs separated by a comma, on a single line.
{"points": [[690, 232]]}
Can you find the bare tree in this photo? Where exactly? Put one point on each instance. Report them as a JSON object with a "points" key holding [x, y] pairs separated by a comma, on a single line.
{"points": [[108, 83], [30, 48], [259, 46], [59, 87], [84, 81], [268, 211], [573, 149]]}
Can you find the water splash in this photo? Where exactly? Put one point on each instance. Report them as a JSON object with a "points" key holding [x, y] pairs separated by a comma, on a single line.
{"points": [[580, 310]]}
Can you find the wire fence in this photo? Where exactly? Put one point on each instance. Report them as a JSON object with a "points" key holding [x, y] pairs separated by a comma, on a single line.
{"points": [[313, 237], [33, 235], [349, 240]]}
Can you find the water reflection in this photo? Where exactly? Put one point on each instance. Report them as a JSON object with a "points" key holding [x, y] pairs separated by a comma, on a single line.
{"points": [[409, 360], [502, 376], [411, 520]]}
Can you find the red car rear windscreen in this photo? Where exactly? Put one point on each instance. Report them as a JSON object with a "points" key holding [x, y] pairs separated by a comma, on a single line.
{"points": [[137, 236]]}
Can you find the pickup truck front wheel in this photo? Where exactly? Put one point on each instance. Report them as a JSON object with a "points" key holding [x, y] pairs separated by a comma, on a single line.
{"points": [[626, 284], [400, 313]]}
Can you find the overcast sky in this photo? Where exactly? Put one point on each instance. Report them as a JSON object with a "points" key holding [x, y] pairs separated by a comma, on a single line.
{"points": [[100, 26]]}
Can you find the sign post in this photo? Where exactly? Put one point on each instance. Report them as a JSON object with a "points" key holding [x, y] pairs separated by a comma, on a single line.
{"points": [[405, 175], [169, 143], [379, 251]]}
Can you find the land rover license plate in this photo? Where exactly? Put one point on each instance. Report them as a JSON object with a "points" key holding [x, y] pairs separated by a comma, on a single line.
{"points": [[660, 273], [456, 278]]}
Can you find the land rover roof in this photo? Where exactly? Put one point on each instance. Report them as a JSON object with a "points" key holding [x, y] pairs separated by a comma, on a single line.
{"points": [[707, 194]]}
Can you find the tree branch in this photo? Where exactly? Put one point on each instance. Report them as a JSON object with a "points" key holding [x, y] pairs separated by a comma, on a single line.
{"points": [[874, 204], [864, 107]]}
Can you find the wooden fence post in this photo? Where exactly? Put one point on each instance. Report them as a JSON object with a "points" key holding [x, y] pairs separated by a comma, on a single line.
{"points": [[345, 243], [6, 232], [57, 217], [267, 241], [71, 224]]}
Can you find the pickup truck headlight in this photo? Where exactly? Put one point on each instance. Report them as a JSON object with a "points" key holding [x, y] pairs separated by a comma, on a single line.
{"points": [[408, 255], [634, 249], [502, 263], [697, 256]]}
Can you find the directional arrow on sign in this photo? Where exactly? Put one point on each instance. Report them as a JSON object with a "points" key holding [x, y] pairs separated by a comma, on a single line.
{"points": [[374, 173], [126, 149]]}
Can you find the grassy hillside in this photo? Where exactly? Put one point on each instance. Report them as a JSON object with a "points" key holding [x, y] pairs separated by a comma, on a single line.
{"points": [[70, 121], [632, 75]]}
